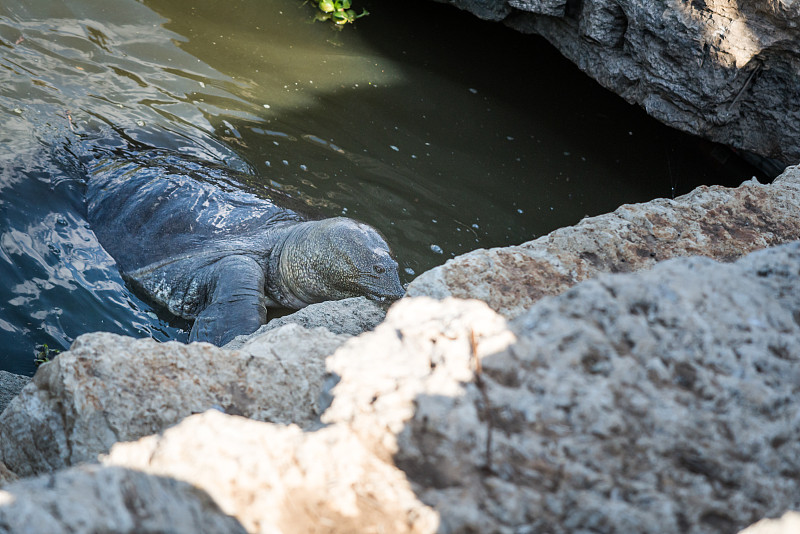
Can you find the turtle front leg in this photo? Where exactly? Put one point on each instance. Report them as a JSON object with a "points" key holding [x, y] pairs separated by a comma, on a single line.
{"points": [[236, 303]]}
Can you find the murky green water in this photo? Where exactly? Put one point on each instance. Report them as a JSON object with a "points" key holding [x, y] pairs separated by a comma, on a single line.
{"points": [[445, 132]]}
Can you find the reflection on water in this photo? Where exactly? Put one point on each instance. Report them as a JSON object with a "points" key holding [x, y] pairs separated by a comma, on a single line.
{"points": [[444, 132]]}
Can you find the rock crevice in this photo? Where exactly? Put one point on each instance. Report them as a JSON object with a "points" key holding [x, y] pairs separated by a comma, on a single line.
{"points": [[727, 70]]}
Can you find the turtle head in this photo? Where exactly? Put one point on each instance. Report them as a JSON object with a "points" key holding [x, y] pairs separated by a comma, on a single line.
{"points": [[338, 258]]}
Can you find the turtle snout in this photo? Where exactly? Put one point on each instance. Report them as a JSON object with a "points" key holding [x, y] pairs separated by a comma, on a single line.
{"points": [[390, 287]]}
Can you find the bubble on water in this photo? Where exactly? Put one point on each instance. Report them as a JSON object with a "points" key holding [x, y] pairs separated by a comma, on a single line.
{"points": [[285, 162], [266, 106], [520, 211], [437, 249], [409, 270], [268, 164], [394, 148], [473, 91], [140, 123], [303, 167]]}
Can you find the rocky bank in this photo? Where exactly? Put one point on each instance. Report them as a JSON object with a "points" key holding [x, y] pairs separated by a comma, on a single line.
{"points": [[592, 388], [727, 70]]}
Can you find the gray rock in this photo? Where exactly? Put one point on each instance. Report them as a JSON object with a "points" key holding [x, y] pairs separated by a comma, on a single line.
{"points": [[352, 317], [110, 388], [278, 479], [664, 397], [92, 499], [10, 386], [717, 222], [722, 69], [6, 475]]}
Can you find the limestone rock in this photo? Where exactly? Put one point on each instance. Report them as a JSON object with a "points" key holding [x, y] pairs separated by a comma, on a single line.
{"points": [[718, 222], [348, 316], [10, 386], [723, 69], [278, 479], [664, 397], [788, 523], [92, 499], [109, 388]]}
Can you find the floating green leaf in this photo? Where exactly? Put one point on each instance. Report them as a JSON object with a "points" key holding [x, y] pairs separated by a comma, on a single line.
{"points": [[338, 11]]}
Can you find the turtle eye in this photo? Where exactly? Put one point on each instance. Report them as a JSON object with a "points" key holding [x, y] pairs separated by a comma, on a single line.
{"points": [[379, 269]]}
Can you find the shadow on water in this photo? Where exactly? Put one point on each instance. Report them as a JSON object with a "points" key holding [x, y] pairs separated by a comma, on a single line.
{"points": [[445, 132]]}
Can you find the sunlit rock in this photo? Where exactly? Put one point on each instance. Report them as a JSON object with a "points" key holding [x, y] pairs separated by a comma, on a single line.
{"points": [[664, 397], [276, 478], [788, 523], [351, 316], [718, 222], [110, 388]]}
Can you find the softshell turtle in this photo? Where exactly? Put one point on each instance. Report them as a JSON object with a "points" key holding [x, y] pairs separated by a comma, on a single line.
{"points": [[186, 235]]}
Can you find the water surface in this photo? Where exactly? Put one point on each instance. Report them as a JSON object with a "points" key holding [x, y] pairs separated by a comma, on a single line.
{"points": [[445, 132]]}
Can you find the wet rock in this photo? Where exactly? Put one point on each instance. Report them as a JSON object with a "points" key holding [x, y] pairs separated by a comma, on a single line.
{"points": [[722, 69], [92, 499], [109, 388], [279, 479], [10, 386], [349, 316], [718, 222], [664, 397], [788, 523]]}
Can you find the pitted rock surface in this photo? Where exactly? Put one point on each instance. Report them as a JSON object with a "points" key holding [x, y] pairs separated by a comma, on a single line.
{"points": [[278, 479], [664, 397], [110, 388], [718, 222], [91, 499]]}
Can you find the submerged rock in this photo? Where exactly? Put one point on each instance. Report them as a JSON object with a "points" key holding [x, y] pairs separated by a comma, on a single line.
{"points": [[110, 388], [92, 499], [722, 69], [718, 222]]}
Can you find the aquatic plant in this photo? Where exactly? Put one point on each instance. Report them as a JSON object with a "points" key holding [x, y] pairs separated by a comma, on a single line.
{"points": [[338, 11], [44, 354]]}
